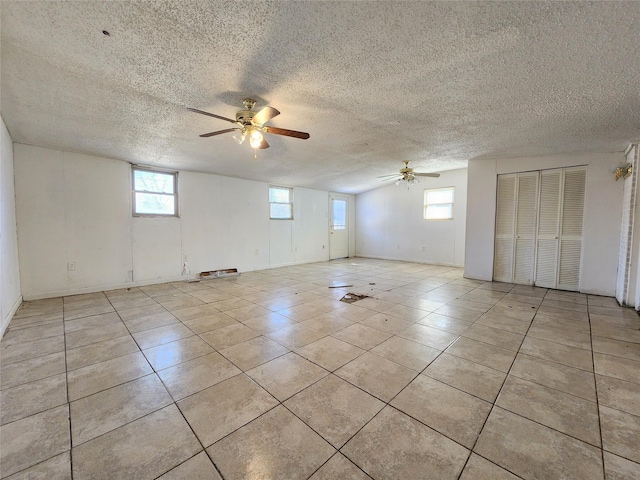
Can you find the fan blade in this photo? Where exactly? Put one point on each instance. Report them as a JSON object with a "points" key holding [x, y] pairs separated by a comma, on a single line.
{"points": [[264, 115], [263, 144], [211, 115], [211, 134], [285, 132], [434, 175], [385, 176], [387, 179]]}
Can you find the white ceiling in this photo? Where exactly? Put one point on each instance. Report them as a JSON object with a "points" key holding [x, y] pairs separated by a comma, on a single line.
{"points": [[374, 83]]}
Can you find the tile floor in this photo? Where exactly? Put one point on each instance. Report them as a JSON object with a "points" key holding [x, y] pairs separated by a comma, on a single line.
{"points": [[268, 375]]}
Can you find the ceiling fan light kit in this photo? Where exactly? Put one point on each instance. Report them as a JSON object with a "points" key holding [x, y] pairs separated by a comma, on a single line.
{"points": [[408, 175], [252, 124]]}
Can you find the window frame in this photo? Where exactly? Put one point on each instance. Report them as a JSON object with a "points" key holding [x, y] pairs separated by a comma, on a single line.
{"points": [[426, 204], [173, 173], [290, 202]]}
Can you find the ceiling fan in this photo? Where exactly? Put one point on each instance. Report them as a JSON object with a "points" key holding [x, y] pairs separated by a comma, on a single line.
{"points": [[408, 175], [250, 123]]}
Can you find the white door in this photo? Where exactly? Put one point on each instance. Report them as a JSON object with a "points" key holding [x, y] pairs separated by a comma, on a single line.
{"points": [[338, 226]]}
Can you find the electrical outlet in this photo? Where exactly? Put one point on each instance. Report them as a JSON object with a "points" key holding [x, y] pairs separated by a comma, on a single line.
{"points": [[71, 266]]}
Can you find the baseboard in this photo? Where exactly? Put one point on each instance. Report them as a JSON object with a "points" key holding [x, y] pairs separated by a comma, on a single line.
{"points": [[396, 259], [7, 320]]}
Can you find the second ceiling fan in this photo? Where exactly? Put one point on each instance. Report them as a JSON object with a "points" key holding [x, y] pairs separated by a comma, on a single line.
{"points": [[408, 175], [250, 123]]}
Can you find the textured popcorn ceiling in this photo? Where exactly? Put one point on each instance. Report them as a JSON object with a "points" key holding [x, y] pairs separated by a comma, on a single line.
{"points": [[374, 83]]}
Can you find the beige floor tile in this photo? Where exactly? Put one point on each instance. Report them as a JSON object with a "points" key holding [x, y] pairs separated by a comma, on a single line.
{"points": [[31, 398], [387, 322], [482, 353], [617, 367], [362, 336], [35, 321], [340, 467], [196, 311], [24, 351], [141, 312], [124, 302], [195, 375], [161, 335], [431, 337], [531, 450], [563, 412], [88, 336], [99, 352], [91, 322], [277, 446], [562, 313], [327, 323], [247, 312], [355, 313], [618, 468], [494, 336], [405, 352], [100, 376], [616, 333], [334, 408], [330, 353], [33, 439], [395, 446], [453, 413], [253, 352], [148, 322], [230, 303], [560, 323], [178, 301], [95, 309], [573, 339], [296, 336], [479, 468], [504, 323], [209, 322], [269, 322], [616, 348], [407, 313], [618, 394], [170, 354], [620, 433], [27, 371], [470, 377], [448, 324], [380, 377], [58, 468], [375, 304], [502, 309], [556, 352], [228, 336], [102, 412], [555, 375], [286, 375], [196, 468], [30, 334], [460, 313], [143, 449], [238, 401]]}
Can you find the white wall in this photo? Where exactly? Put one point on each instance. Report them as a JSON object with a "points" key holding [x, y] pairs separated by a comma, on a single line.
{"points": [[10, 294], [390, 223], [603, 208], [77, 208]]}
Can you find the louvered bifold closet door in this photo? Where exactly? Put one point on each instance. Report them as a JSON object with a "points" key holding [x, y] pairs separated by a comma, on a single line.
{"points": [[548, 228], [505, 223], [525, 238], [571, 228]]}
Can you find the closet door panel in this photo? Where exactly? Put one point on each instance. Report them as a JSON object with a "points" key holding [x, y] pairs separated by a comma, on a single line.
{"points": [[526, 216], [505, 224], [548, 229]]}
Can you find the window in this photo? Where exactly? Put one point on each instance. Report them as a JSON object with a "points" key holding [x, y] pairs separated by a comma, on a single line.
{"points": [[438, 204], [281, 203], [154, 193]]}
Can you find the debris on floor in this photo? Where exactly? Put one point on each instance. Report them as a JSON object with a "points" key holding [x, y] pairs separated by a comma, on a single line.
{"points": [[229, 272], [352, 297], [340, 286]]}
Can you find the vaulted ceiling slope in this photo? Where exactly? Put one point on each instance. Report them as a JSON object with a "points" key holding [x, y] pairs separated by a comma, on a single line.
{"points": [[374, 83]]}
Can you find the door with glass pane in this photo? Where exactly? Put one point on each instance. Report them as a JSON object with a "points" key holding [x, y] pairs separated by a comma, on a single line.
{"points": [[338, 226]]}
